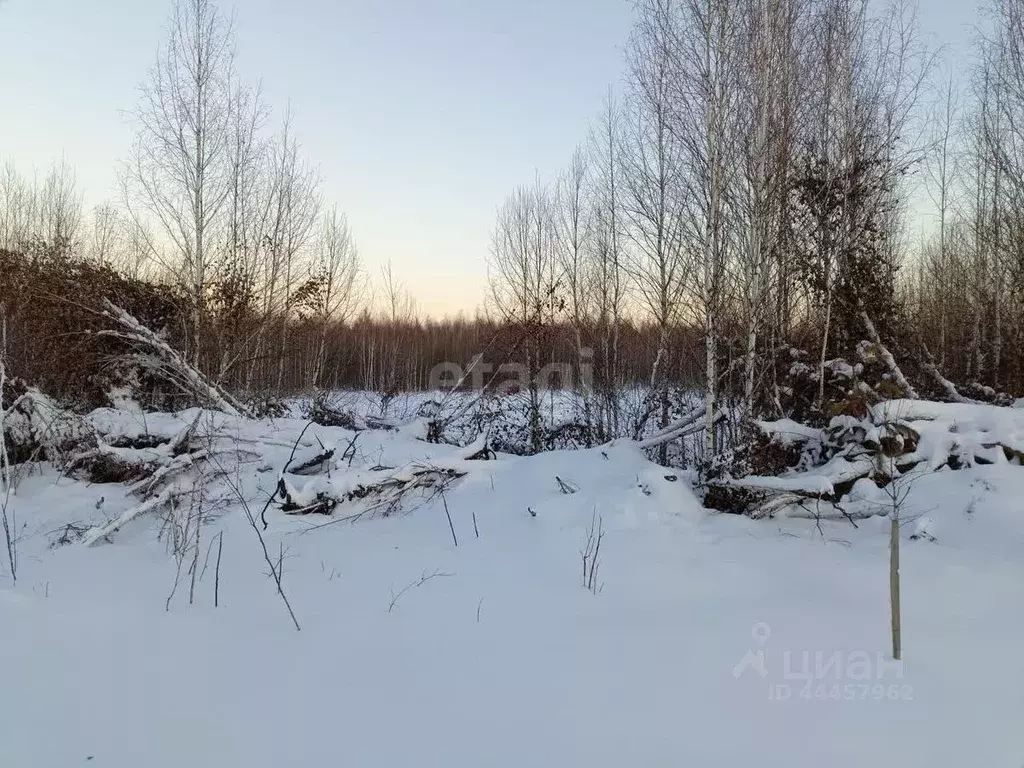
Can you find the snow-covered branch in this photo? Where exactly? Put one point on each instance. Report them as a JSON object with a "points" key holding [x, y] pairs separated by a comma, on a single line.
{"points": [[888, 359], [155, 354]]}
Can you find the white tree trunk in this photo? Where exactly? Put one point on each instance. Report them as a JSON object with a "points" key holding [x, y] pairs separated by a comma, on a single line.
{"points": [[710, 384]]}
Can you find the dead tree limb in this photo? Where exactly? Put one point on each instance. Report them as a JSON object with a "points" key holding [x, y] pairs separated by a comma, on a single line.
{"points": [[100, 532], [688, 428], [157, 356], [888, 359], [947, 386]]}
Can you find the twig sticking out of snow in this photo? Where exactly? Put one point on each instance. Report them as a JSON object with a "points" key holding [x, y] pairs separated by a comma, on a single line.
{"points": [[275, 572], [412, 585], [564, 487], [591, 554], [448, 514], [5, 468]]}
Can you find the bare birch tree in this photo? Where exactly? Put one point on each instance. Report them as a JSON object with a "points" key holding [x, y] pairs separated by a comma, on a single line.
{"points": [[607, 257], [107, 234], [60, 208], [708, 82], [46, 213], [942, 169], [767, 115], [295, 206], [653, 181], [574, 233], [247, 214], [177, 173], [524, 282], [334, 285]]}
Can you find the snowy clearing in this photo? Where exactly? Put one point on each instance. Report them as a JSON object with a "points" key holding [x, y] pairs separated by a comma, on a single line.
{"points": [[711, 639]]}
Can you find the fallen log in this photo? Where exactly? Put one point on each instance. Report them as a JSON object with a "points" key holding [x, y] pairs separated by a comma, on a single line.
{"points": [[773, 505], [312, 464], [828, 510], [157, 356], [947, 386], [478, 450], [824, 483], [682, 423], [100, 532], [888, 359], [157, 476], [326, 415], [384, 490], [687, 429]]}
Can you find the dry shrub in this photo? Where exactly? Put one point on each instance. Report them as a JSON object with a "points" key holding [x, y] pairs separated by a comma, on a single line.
{"points": [[53, 306]]}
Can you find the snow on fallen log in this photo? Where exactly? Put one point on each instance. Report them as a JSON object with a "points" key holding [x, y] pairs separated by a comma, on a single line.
{"points": [[947, 386], [887, 358], [478, 450], [828, 510], [811, 508], [688, 428], [326, 415], [101, 532], [789, 432], [962, 444], [820, 483], [965, 425], [380, 490], [166, 477], [163, 360], [117, 455], [803, 484], [895, 438], [181, 466], [180, 441], [928, 410], [775, 504], [13, 407], [840, 470], [682, 423], [319, 461], [312, 462], [177, 465], [35, 427]]}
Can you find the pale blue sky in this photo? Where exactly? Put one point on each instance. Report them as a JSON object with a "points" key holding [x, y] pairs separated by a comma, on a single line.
{"points": [[422, 114]]}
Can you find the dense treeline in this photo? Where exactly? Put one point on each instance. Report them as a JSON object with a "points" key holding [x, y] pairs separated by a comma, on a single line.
{"points": [[52, 303], [752, 183], [965, 290]]}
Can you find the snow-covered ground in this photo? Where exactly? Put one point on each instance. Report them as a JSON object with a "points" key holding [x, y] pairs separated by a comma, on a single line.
{"points": [[712, 640]]}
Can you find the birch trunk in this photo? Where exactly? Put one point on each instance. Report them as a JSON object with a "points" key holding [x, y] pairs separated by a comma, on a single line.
{"points": [[710, 383]]}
